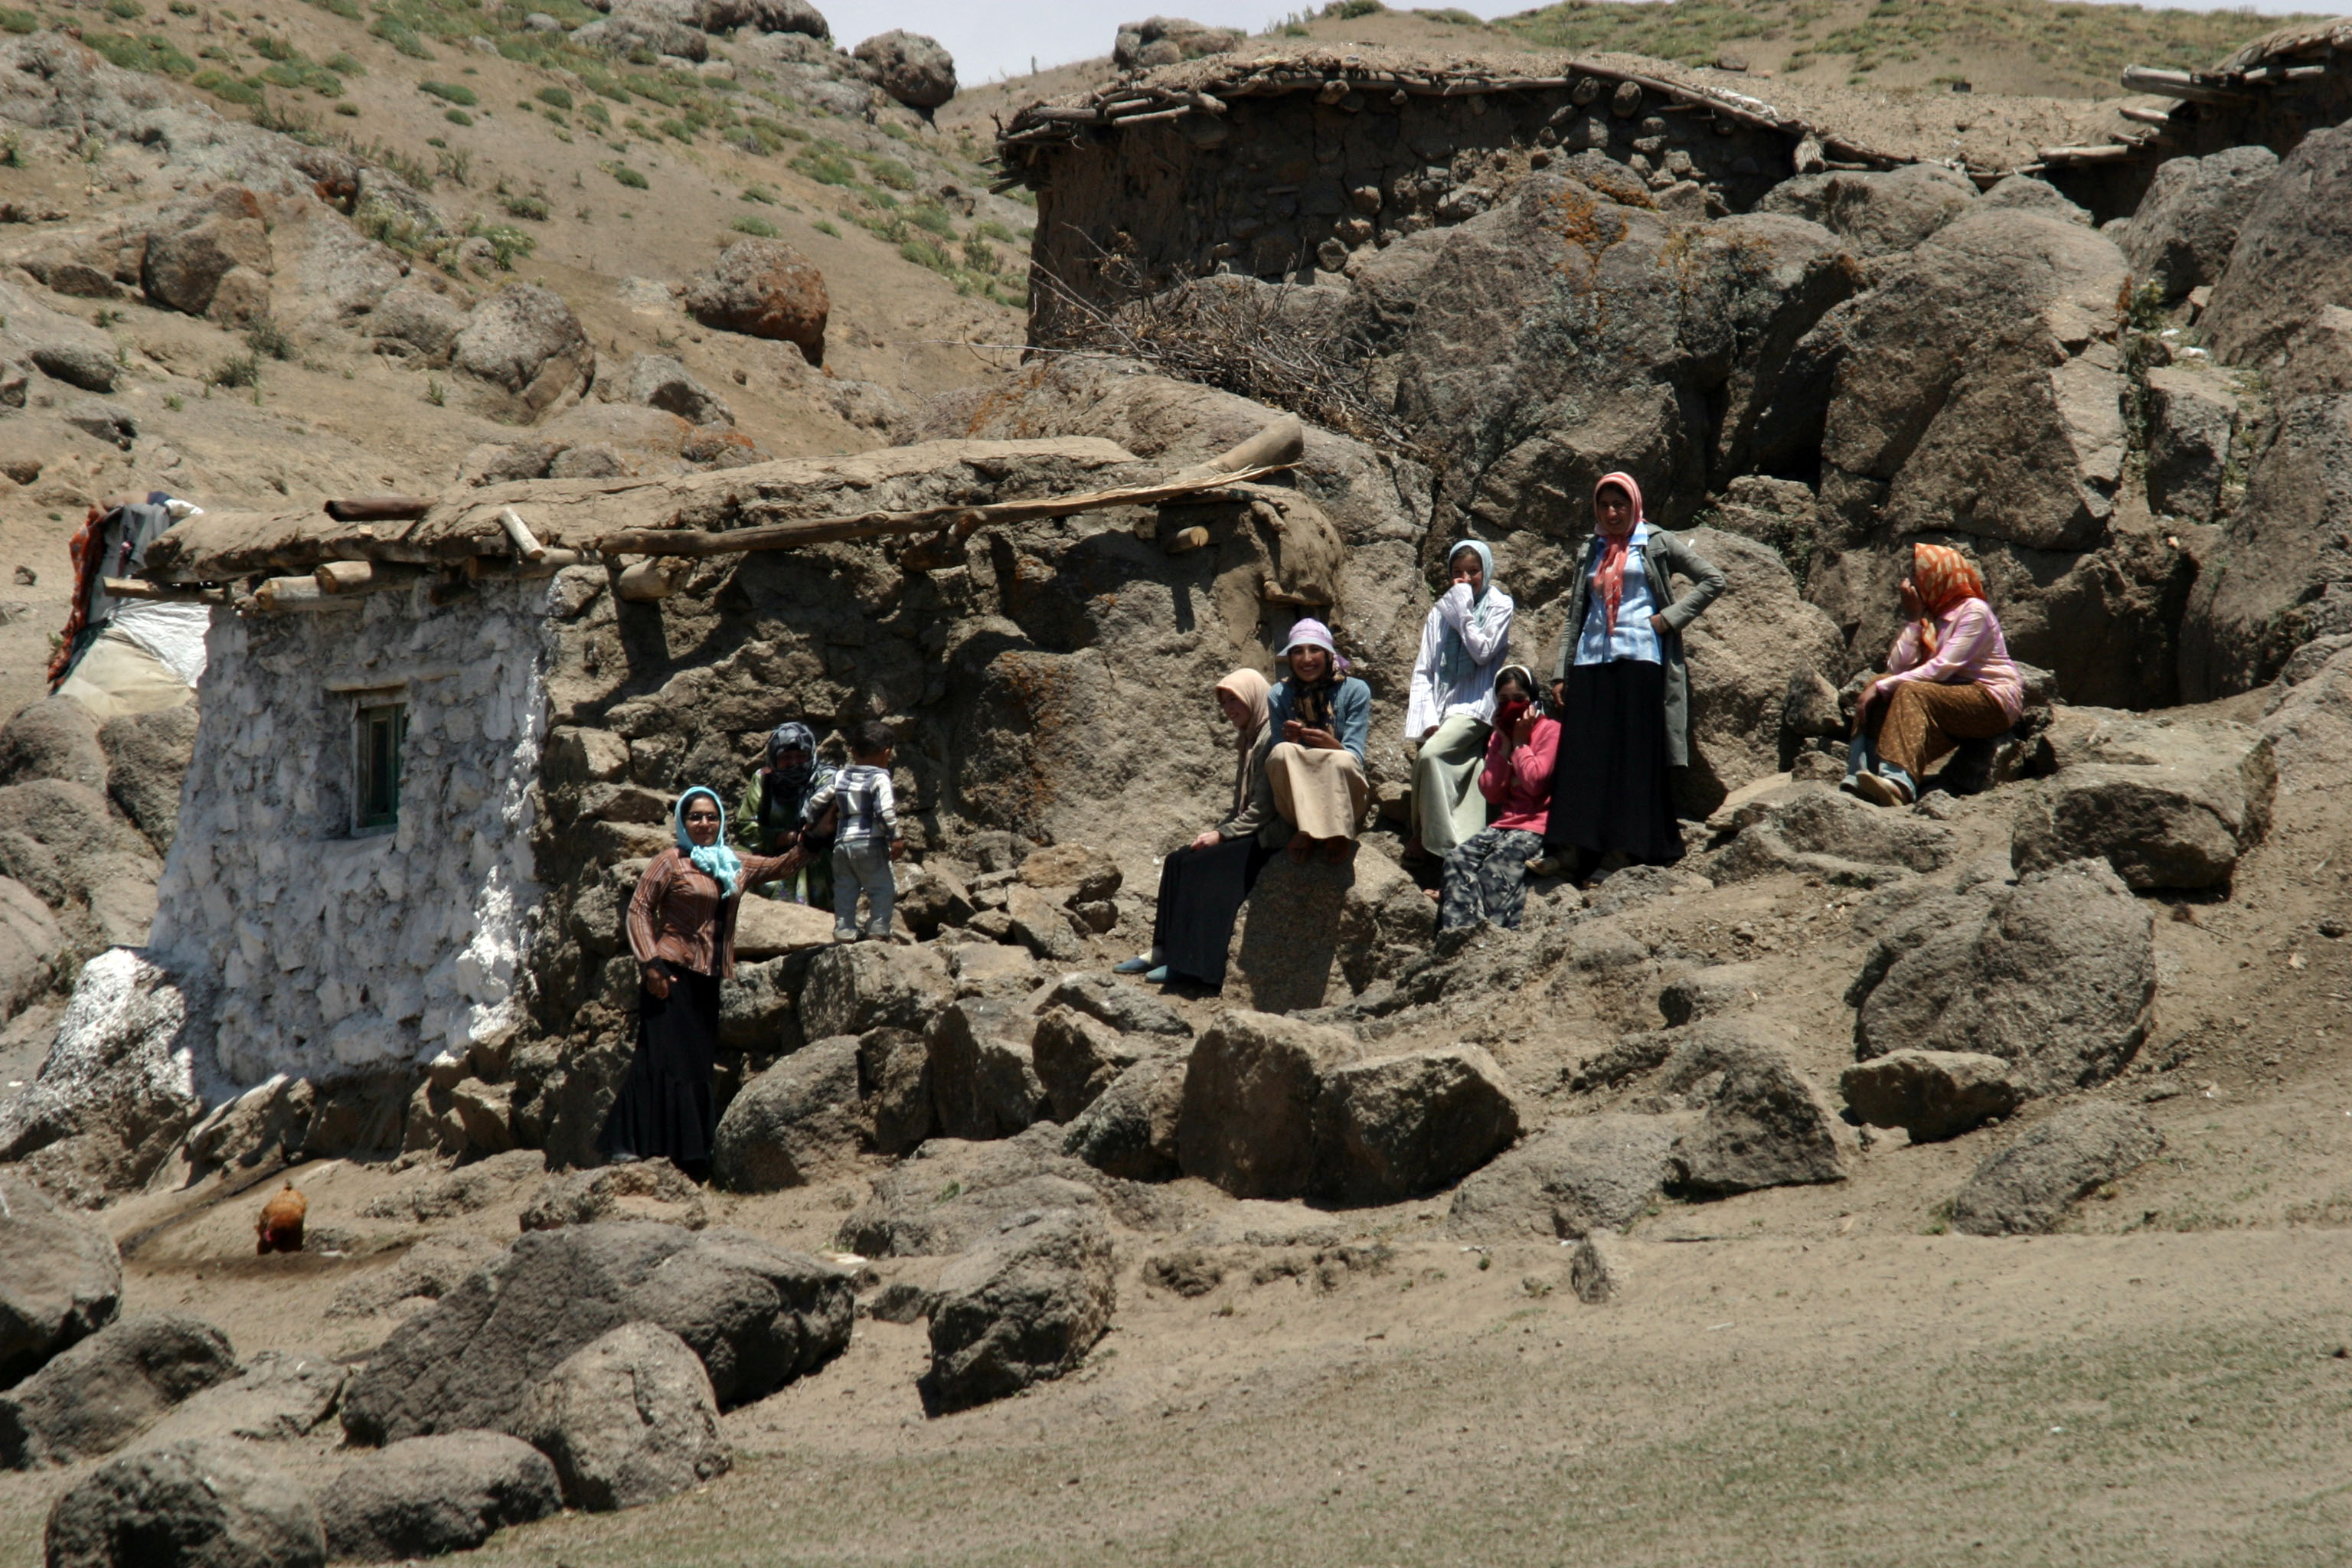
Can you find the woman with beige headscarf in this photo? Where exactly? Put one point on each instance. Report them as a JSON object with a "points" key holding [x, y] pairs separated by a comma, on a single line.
{"points": [[1202, 886]]}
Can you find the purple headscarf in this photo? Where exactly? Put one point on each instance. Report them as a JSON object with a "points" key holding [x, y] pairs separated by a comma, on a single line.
{"points": [[1308, 632]]}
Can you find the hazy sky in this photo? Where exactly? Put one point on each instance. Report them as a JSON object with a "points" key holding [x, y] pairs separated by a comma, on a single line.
{"points": [[992, 38]]}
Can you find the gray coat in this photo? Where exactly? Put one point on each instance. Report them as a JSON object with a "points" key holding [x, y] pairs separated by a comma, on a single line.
{"points": [[1664, 555]]}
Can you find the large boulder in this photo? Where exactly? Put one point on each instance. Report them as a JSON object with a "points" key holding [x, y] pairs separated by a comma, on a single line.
{"points": [[1024, 1307], [190, 1505], [1315, 934], [147, 756], [1078, 1058], [1741, 663], [984, 1081], [950, 1195], [56, 738], [526, 351], [1395, 1127], [800, 1121], [1978, 391], [1169, 40], [2166, 804], [2192, 410], [1586, 1173], [2278, 576], [2293, 253], [643, 1189], [1126, 1008], [428, 1496], [893, 1073], [60, 1278], [1249, 1091], [418, 322], [910, 67], [1877, 212], [629, 1419], [858, 986], [2056, 976], [2024, 1189], [276, 1397], [1764, 1126], [758, 1316], [65, 843], [1931, 1095], [1812, 829], [1130, 1129], [2187, 223], [31, 944], [98, 1395], [212, 258], [765, 288], [660, 380]]}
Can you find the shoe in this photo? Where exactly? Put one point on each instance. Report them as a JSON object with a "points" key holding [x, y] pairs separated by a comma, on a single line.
{"points": [[1879, 791], [1338, 851], [1158, 976], [1543, 866], [1136, 966], [844, 933]]}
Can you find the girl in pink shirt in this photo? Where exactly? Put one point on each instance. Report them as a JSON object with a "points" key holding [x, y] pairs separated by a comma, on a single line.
{"points": [[1485, 875], [1949, 679]]}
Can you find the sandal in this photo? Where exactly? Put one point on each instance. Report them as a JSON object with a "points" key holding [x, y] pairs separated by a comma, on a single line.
{"points": [[1339, 851], [1300, 849]]}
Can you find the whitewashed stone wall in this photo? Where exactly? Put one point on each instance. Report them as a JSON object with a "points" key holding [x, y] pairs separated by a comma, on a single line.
{"points": [[338, 951]]}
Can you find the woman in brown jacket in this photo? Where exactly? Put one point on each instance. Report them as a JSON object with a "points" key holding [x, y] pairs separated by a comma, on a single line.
{"points": [[682, 928]]}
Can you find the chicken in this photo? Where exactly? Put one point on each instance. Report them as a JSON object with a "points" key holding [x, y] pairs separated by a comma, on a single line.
{"points": [[281, 1226]]}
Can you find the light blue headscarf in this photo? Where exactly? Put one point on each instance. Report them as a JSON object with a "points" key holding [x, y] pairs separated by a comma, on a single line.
{"points": [[1453, 661], [716, 861]]}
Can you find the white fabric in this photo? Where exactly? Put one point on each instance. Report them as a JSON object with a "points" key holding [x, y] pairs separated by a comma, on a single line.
{"points": [[1431, 704], [1634, 639], [173, 633]]}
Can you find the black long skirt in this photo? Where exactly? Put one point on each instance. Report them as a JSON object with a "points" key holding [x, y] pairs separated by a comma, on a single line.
{"points": [[1610, 790], [1200, 893], [665, 1109]]}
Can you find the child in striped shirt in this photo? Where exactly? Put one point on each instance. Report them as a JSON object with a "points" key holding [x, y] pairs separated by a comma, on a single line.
{"points": [[865, 834]]}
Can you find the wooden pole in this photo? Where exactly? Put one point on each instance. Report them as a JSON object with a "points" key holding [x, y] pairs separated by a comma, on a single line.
{"points": [[872, 524], [490, 568], [521, 537], [289, 594], [378, 509], [362, 576], [159, 594], [651, 580]]}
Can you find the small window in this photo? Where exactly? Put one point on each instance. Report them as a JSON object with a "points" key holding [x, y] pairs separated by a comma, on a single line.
{"points": [[383, 737]]}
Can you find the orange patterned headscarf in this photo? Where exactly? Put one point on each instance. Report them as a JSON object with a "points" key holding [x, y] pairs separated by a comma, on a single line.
{"points": [[1609, 571], [1943, 577]]}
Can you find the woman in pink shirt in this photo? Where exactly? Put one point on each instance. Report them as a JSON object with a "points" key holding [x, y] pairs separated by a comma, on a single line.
{"points": [[1485, 875], [1949, 679]]}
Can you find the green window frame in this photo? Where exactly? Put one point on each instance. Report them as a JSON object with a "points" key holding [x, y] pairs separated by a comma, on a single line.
{"points": [[381, 736]]}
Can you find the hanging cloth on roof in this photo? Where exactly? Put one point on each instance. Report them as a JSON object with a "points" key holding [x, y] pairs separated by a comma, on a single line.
{"points": [[108, 544]]}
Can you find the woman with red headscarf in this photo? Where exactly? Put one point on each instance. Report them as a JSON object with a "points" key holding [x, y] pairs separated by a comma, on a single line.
{"points": [[1950, 679], [1622, 694]]}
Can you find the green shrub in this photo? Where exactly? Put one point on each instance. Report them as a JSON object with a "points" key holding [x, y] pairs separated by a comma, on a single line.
{"points": [[343, 64], [456, 117], [238, 369], [265, 336], [933, 216], [890, 173], [226, 87], [534, 208], [823, 227], [626, 175], [279, 49], [826, 168], [453, 92], [923, 253], [594, 114], [556, 96], [763, 194], [348, 108], [754, 225], [128, 10]]}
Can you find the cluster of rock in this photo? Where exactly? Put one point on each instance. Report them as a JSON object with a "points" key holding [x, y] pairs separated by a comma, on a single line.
{"points": [[908, 68], [585, 1365]]}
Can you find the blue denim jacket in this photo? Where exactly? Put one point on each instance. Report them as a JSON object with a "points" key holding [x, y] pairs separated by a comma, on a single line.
{"points": [[1351, 712]]}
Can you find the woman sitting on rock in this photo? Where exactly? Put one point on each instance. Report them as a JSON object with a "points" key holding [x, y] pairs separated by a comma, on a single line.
{"points": [[769, 819], [682, 928], [1466, 637], [1950, 679], [1202, 886], [1486, 874], [1321, 717], [1622, 694]]}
